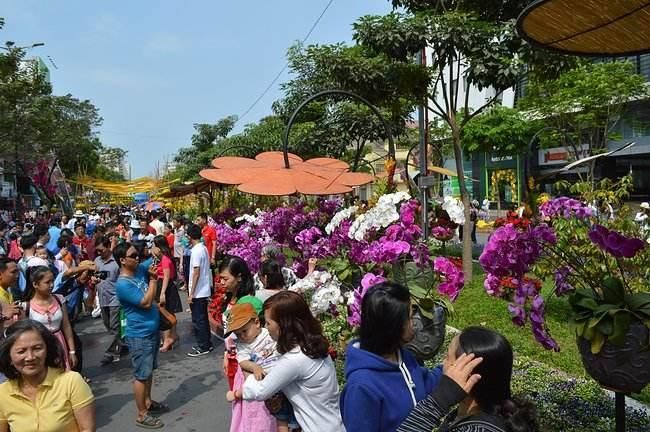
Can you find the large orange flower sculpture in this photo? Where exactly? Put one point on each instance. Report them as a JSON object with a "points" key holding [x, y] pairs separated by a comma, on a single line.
{"points": [[267, 174]]}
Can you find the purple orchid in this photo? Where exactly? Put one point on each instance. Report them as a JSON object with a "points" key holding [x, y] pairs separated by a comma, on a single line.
{"points": [[615, 243], [454, 278], [564, 207], [354, 308], [562, 285]]}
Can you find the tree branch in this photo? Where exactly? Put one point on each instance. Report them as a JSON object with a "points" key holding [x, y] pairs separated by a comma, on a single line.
{"points": [[470, 116]]}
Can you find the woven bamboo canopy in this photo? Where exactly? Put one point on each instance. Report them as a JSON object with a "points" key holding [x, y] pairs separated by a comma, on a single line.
{"points": [[588, 27], [178, 191]]}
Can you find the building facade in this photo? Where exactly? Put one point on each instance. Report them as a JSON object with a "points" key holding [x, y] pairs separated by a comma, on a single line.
{"points": [[501, 179]]}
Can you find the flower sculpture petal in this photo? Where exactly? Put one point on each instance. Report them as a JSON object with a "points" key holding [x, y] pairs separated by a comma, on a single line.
{"points": [[267, 174]]}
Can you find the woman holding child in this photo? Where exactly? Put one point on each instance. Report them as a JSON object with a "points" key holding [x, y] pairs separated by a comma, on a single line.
{"points": [[304, 372]]}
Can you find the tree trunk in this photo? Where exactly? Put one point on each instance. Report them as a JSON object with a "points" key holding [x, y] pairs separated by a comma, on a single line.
{"points": [[467, 238]]}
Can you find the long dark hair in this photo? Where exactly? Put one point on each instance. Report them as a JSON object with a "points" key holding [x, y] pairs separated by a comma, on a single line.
{"points": [[385, 312], [53, 358], [161, 243], [298, 327], [238, 268], [272, 270], [34, 276], [492, 392]]}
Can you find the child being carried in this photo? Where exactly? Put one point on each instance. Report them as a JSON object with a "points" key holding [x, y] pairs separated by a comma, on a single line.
{"points": [[256, 354]]}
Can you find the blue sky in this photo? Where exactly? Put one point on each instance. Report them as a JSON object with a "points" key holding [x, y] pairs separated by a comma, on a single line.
{"points": [[154, 68]]}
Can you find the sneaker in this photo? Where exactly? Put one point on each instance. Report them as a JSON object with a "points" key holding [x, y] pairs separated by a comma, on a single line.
{"points": [[108, 359], [198, 352]]}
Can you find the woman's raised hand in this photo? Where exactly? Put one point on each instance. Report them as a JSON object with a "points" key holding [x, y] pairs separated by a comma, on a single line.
{"points": [[461, 371]]}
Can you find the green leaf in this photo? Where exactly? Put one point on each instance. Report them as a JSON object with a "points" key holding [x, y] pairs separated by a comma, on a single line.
{"points": [[613, 290], [621, 327], [606, 326], [597, 342], [587, 303], [637, 301]]}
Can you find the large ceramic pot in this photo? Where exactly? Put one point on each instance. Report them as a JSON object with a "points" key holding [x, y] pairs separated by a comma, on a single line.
{"points": [[624, 368], [429, 334]]}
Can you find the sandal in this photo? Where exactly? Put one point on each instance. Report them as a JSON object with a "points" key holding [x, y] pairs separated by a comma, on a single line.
{"points": [[157, 407], [148, 422]]}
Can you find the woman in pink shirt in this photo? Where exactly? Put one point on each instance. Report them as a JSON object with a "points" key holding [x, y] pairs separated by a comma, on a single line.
{"points": [[167, 288]]}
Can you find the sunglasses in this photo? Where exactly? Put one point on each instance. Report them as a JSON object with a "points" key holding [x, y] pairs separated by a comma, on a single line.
{"points": [[133, 256]]}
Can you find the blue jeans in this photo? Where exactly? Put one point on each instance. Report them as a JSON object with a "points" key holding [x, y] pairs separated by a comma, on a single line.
{"points": [[144, 355], [199, 309]]}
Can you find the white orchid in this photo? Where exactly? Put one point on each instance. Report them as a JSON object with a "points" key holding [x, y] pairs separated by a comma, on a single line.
{"points": [[340, 217], [380, 216], [322, 287], [455, 209]]}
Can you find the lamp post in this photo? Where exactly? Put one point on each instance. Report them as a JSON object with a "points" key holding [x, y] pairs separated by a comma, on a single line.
{"points": [[10, 48]]}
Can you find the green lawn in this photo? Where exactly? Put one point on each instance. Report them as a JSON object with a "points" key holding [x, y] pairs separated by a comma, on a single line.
{"points": [[475, 307]]}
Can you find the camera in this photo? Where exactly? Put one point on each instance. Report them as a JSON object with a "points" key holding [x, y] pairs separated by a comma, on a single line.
{"points": [[103, 274]]}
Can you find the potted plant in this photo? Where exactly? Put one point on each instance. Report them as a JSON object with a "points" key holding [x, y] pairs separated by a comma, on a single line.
{"points": [[389, 242], [604, 269]]}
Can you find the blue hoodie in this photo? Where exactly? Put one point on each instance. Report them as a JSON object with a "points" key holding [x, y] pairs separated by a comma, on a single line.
{"points": [[377, 396]]}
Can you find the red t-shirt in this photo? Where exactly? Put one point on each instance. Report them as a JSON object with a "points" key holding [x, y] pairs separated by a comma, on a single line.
{"points": [[170, 241], [166, 263], [209, 236]]}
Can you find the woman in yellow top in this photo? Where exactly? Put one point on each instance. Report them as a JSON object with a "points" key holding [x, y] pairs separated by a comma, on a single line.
{"points": [[39, 395]]}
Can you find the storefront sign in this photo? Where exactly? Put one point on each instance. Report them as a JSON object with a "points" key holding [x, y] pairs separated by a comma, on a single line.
{"points": [[500, 158], [6, 188], [561, 155]]}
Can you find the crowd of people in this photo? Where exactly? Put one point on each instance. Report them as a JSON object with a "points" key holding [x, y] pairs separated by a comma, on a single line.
{"points": [[129, 267]]}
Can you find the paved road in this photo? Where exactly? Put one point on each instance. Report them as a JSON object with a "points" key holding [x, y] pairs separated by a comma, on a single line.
{"points": [[194, 388]]}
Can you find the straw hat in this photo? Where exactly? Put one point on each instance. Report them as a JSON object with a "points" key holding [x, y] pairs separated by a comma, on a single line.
{"points": [[645, 205]]}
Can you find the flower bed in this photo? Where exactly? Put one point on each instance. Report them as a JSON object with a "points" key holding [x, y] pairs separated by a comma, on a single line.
{"points": [[564, 403]]}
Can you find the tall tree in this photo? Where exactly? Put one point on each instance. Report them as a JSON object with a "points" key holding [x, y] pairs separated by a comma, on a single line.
{"points": [[472, 39], [205, 143], [586, 104], [342, 126]]}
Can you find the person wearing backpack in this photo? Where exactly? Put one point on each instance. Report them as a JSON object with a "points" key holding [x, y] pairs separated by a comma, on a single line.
{"points": [[28, 245]]}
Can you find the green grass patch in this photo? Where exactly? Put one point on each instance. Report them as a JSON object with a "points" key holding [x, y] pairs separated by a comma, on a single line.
{"points": [[475, 307]]}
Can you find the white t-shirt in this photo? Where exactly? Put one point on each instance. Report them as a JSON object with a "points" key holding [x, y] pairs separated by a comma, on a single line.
{"points": [[261, 351], [158, 226], [199, 258], [309, 384]]}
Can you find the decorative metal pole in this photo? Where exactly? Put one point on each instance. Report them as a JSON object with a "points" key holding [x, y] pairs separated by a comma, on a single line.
{"points": [[424, 192], [292, 119], [620, 411]]}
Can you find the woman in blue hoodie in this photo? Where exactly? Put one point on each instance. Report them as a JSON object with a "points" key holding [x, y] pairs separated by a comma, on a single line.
{"points": [[384, 380]]}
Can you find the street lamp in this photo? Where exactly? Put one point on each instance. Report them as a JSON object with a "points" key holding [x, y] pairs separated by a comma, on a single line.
{"points": [[9, 46]]}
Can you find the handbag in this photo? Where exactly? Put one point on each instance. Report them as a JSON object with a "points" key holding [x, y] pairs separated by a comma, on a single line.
{"points": [[167, 319]]}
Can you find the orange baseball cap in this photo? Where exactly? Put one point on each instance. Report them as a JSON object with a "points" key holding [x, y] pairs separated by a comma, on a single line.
{"points": [[240, 315]]}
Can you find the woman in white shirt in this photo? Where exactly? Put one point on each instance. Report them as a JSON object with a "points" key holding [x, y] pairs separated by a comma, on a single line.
{"points": [[304, 373]]}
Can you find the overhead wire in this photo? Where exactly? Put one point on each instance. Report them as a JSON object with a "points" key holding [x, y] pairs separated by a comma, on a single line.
{"points": [[277, 77]]}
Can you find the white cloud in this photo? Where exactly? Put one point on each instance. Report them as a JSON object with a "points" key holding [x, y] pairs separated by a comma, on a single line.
{"points": [[106, 25], [163, 43], [123, 78]]}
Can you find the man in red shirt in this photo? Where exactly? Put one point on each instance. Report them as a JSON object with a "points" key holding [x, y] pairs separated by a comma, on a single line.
{"points": [[209, 237], [82, 242]]}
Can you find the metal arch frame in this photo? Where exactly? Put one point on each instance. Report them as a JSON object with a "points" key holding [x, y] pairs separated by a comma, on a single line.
{"points": [[292, 119], [408, 158], [223, 151], [529, 152]]}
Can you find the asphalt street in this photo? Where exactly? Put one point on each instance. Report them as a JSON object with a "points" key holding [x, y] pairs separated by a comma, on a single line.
{"points": [[193, 388]]}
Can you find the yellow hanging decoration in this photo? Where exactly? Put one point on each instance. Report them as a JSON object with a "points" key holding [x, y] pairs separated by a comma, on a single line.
{"points": [[508, 176]]}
